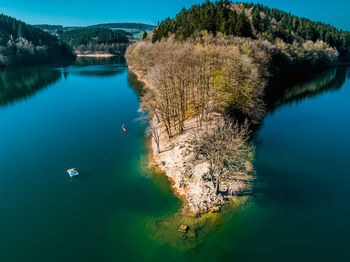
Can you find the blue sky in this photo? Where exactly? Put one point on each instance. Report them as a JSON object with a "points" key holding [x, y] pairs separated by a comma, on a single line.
{"points": [[87, 12]]}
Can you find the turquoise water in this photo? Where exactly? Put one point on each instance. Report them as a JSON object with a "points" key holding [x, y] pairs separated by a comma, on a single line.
{"points": [[62, 116]]}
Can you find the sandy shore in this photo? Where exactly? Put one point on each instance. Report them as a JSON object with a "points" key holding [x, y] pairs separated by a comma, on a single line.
{"points": [[96, 55], [174, 160]]}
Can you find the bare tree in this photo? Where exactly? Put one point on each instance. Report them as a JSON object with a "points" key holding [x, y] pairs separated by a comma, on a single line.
{"points": [[154, 131], [226, 150]]}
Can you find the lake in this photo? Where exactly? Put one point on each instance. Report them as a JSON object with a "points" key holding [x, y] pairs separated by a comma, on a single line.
{"points": [[56, 117]]}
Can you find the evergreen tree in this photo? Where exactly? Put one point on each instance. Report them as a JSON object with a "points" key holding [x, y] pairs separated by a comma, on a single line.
{"points": [[256, 20], [265, 24], [144, 35], [19, 31], [243, 27], [222, 17]]}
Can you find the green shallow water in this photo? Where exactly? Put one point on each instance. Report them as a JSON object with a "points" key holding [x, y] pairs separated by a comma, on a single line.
{"points": [[56, 117]]}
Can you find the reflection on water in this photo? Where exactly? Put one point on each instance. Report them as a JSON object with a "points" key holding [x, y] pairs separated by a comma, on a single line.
{"points": [[19, 83], [96, 70], [87, 61], [289, 91], [22, 82]]}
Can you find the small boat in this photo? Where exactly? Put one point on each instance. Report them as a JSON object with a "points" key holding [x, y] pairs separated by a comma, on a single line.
{"points": [[124, 128], [73, 172]]}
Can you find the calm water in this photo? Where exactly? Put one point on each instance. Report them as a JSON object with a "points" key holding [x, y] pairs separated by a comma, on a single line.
{"points": [[57, 117]]}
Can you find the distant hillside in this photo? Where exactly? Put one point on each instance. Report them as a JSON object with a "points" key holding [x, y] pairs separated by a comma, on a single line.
{"points": [[252, 20], [96, 40], [138, 26], [47, 27], [135, 29], [21, 43]]}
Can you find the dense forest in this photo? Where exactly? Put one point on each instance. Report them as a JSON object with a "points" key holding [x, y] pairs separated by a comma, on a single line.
{"points": [[21, 43], [252, 20], [96, 40]]}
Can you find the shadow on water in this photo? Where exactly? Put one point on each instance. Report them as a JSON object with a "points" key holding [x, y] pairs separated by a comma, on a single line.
{"points": [[97, 71], [87, 61], [95, 67], [135, 84]]}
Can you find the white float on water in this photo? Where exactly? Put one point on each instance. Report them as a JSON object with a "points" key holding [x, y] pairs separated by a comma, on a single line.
{"points": [[73, 172]]}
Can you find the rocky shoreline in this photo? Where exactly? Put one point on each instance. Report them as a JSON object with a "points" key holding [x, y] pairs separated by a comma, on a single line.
{"points": [[175, 161]]}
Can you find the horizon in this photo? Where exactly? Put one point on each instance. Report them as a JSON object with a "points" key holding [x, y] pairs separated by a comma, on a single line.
{"points": [[151, 12]]}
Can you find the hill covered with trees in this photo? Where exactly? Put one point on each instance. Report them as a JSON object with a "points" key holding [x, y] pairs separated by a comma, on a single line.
{"points": [[49, 28], [138, 26], [21, 43], [252, 20], [135, 29], [96, 40]]}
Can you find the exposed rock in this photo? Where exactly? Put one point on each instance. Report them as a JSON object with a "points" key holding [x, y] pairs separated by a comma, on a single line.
{"points": [[215, 209], [182, 184], [249, 167], [223, 188], [183, 229]]}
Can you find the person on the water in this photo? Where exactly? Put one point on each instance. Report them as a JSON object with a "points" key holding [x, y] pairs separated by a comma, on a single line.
{"points": [[124, 128]]}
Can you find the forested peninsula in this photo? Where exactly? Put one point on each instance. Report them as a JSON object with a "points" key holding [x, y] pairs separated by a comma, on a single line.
{"points": [[22, 44], [206, 72]]}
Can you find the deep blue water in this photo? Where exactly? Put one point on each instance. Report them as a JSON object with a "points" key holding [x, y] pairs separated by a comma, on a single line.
{"points": [[57, 117]]}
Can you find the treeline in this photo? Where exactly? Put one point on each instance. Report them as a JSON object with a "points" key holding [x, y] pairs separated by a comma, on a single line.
{"points": [[138, 26], [21, 43], [252, 20], [96, 40], [49, 28]]}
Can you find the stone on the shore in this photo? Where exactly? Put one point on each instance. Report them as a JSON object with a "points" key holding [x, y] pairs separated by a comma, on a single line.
{"points": [[223, 188], [215, 209], [248, 167], [183, 229]]}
